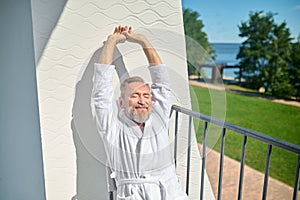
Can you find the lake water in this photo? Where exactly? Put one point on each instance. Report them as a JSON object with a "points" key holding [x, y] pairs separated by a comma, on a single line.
{"points": [[225, 54]]}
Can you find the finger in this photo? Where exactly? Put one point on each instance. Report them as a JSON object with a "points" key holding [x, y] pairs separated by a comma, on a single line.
{"points": [[123, 29], [116, 30], [130, 29]]}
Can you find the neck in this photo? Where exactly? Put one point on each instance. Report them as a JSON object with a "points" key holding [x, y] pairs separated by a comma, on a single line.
{"points": [[141, 125]]}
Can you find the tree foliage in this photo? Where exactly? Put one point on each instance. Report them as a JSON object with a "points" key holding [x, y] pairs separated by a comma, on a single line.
{"points": [[197, 45], [294, 67], [265, 55]]}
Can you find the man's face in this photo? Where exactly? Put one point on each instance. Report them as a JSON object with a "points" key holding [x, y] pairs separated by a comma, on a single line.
{"points": [[137, 101]]}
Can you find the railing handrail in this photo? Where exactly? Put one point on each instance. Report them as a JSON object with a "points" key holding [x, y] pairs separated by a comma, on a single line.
{"points": [[238, 129], [270, 141]]}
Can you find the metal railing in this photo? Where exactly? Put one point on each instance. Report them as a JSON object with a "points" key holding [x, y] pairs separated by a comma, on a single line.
{"points": [[270, 141]]}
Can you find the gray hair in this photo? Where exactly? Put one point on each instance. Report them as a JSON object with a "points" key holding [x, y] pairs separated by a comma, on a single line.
{"points": [[128, 81]]}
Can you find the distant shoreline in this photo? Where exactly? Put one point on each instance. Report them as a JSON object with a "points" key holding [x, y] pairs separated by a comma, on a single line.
{"points": [[235, 43]]}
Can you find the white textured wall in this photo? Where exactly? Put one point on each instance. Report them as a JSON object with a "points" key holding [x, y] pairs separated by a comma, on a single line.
{"points": [[67, 37]]}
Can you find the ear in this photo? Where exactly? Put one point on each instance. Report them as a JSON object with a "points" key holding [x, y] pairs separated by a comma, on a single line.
{"points": [[121, 102]]}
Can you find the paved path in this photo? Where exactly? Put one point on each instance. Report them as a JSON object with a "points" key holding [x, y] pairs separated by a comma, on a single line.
{"points": [[253, 181]]}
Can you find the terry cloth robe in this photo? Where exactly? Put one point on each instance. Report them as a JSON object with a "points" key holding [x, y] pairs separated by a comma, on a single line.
{"points": [[141, 162]]}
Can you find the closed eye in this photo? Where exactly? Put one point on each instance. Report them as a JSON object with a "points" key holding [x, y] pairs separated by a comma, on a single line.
{"points": [[135, 95]]}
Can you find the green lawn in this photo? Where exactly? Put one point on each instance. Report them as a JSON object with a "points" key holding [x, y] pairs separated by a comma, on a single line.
{"points": [[270, 118]]}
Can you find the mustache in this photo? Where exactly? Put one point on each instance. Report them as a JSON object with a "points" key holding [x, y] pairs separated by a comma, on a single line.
{"points": [[141, 106]]}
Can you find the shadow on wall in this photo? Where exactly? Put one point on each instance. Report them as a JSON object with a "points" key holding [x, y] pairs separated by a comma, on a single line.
{"points": [[90, 153], [45, 16]]}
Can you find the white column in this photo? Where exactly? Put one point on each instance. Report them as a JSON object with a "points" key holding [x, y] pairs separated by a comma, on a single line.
{"points": [[21, 166]]}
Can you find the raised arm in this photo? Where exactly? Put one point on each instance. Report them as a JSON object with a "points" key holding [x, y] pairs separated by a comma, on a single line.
{"points": [[102, 94], [150, 52]]}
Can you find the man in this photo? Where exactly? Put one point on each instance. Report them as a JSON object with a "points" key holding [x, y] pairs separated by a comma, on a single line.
{"points": [[135, 134]]}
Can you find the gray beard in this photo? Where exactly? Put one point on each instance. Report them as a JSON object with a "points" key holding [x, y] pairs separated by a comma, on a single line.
{"points": [[135, 116]]}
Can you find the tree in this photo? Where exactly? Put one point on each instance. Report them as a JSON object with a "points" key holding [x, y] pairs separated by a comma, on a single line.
{"points": [[294, 68], [198, 48], [265, 54]]}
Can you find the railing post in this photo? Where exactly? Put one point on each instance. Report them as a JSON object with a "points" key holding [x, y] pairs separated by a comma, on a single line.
{"points": [[203, 160], [188, 156], [111, 195], [176, 135], [221, 164], [265, 189], [242, 168], [296, 185]]}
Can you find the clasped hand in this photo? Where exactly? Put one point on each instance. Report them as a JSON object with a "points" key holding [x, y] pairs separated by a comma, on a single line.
{"points": [[122, 34]]}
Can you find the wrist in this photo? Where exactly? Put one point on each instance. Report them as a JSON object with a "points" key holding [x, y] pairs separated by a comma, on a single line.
{"points": [[112, 40], [145, 43]]}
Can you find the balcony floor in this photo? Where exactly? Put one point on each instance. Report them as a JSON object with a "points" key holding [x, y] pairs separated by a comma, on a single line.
{"points": [[253, 180]]}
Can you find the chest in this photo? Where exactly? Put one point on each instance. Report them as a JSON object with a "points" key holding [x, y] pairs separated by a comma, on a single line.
{"points": [[152, 140]]}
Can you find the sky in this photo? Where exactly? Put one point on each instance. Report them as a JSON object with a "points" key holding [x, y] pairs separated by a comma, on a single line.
{"points": [[221, 18]]}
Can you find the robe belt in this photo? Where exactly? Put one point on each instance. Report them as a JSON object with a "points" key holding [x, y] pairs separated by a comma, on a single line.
{"points": [[142, 180]]}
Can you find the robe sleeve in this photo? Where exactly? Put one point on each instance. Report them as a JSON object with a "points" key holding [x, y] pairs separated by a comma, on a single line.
{"points": [[102, 96], [160, 88]]}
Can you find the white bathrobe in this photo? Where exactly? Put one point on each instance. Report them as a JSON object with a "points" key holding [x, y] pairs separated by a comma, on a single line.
{"points": [[141, 162]]}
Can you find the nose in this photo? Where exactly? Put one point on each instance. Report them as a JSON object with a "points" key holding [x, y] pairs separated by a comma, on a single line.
{"points": [[141, 100]]}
